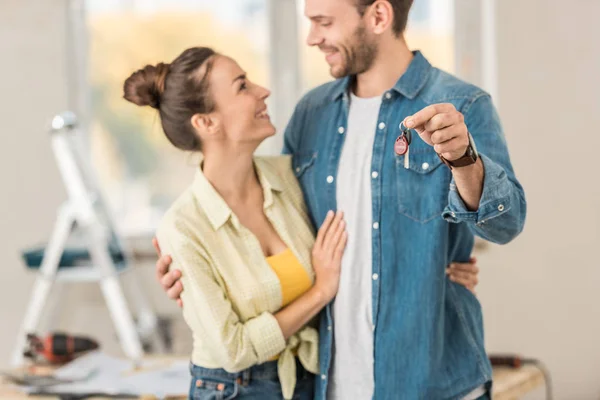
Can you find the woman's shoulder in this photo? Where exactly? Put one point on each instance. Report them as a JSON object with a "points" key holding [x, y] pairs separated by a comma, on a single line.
{"points": [[279, 169], [279, 163], [182, 212]]}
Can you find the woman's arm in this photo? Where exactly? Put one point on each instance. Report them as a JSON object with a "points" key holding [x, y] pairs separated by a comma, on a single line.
{"points": [[208, 311]]}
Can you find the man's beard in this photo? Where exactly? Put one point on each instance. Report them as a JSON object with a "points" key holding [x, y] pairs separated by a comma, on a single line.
{"points": [[358, 55]]}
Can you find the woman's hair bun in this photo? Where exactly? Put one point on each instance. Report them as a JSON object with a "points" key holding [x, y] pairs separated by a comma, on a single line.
{"points": [[146, 86]]}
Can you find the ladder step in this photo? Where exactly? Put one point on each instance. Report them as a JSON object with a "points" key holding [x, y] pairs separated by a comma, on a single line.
{"points": [[71, 257]]}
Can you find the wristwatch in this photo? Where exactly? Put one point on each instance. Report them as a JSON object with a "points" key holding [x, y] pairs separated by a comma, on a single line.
{"points": [[469, 158]]}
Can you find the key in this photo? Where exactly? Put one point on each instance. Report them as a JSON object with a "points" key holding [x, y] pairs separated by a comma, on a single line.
{"points": [[408, 134], [402, 146]]}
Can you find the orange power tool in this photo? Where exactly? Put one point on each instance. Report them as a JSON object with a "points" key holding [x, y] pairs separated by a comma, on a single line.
{"points": [[57, 348]]}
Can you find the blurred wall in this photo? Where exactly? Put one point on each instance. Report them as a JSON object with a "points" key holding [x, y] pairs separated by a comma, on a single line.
{"points": [[33, 88], [34, 83], [541, 293]]}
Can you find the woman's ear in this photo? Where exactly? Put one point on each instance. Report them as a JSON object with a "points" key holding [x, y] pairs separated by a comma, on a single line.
{"points": [[207, 124]]}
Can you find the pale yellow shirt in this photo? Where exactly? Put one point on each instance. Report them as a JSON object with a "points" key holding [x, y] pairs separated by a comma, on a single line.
{"points": [[230, 291]]}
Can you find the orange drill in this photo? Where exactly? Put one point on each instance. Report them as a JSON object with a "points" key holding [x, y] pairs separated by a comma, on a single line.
{"points": [[58, 348]]}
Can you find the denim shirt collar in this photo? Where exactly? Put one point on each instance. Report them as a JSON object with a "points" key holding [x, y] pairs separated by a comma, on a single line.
{"points": [[409, 85]]}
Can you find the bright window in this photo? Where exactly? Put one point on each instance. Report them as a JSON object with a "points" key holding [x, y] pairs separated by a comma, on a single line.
{"points": [[140, 171]]}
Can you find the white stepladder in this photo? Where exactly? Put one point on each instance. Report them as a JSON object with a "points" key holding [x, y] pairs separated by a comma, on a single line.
{"points": [[85, 216]]}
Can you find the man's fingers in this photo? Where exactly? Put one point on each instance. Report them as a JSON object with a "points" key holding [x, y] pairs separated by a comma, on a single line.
{"points": [[451, 146], [443, 135], [180, 303], [465, 267], [419, 119], [444, 120], [463, 278], [460, 280], [175, 292], [465, 282], [463, 275], [156, 247], [169, 279], [162, 266]]}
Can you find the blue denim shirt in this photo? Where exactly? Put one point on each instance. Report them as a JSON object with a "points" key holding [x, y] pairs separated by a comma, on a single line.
{"points": [[428, 334]]}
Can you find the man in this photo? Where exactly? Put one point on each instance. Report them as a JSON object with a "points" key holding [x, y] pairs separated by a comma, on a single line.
{"points": [[397, 329]]}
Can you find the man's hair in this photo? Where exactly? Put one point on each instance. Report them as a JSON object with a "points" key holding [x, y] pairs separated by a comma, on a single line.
{"points": [[400, 7]]}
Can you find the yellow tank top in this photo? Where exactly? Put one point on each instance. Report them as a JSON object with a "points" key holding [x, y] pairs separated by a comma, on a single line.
{"points": [[292, 276]]}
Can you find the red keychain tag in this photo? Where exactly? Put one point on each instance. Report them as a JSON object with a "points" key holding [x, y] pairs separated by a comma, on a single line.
{"points": [[401, 145], [403, 141]]}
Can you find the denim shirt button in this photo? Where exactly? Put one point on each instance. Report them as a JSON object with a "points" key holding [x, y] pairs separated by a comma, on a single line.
{"points": [[375, 277], [341, 130], [323, 377], [376, 225], [388, 95], [425, 166], [501, 207], [382, 125], [374, 174], [330, 179]]}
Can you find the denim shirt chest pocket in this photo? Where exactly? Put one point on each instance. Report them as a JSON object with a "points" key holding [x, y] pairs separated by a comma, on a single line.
{"points": [[423, 187]]}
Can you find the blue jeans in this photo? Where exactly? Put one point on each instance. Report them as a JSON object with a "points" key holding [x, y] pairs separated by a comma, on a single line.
{"points": [[259, 382]]}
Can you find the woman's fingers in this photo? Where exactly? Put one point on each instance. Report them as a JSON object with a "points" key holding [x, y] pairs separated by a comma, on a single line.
{"points": [[331, 231], [337, 236], [339, 249], [323, 229]]}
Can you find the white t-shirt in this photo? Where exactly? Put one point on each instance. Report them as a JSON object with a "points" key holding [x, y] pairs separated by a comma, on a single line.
{"points": [[352, 368]]}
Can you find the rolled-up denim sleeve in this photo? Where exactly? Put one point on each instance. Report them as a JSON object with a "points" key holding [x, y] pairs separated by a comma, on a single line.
{"points": [[502, 208]]}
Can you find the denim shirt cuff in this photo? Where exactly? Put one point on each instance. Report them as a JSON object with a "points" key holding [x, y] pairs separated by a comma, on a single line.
{"points": [[495, 199]]}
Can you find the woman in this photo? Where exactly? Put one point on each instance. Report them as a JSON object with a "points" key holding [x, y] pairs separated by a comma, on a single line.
{"points": [[255, 275]]}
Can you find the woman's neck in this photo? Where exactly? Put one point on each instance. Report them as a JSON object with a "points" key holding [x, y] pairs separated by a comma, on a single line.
{"points": [[232, 175]]}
